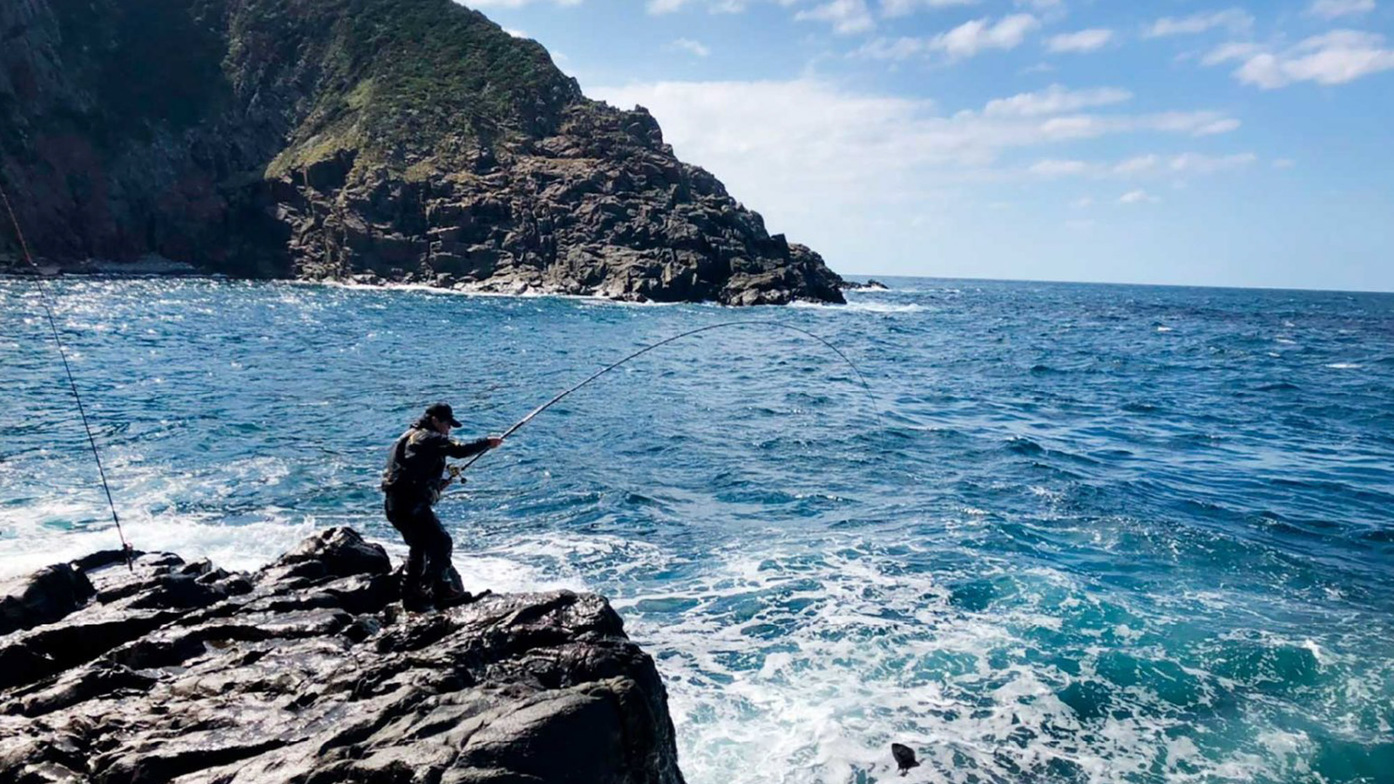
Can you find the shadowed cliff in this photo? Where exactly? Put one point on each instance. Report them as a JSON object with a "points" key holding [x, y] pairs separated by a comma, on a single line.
{"points": [[385, 139]]}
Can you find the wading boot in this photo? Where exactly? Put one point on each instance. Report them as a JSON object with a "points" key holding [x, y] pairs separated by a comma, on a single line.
{"points": [[416, 602]]}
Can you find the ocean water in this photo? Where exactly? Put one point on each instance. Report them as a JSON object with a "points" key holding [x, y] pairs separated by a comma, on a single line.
{"points": [[1079, 534]]}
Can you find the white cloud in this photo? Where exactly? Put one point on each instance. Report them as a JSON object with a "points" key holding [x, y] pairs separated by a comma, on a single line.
{"points": [[1195, 123], [964, 41], [689, 45], [1195, 163], [846, 16], [1058, 168], [1284, 163], [893, 49], [1137, 197], [1332, 9], [659, 7], [971, 38], [1235, 20], [782, 144], [1054, 100], [516, 33], [1140, 164], [1333, 58], [1187, 163], [894, 8], [1231, 51], [1082, 41], [1217, 127]]}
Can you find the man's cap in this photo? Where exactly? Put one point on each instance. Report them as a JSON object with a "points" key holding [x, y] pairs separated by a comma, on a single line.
{"points": [[442, 412]]}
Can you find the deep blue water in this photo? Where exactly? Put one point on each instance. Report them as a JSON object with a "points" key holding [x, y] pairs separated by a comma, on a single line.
{"points": [[1084, 534]]}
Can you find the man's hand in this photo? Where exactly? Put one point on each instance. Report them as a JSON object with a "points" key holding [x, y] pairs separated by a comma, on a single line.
{"points": [[495, 442]]}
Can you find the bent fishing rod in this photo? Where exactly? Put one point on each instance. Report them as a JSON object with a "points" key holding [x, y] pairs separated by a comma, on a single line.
{"points": [[456, 470], [72, 384]]}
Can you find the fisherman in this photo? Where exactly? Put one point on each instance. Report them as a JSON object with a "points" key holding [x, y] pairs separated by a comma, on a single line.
{"points": [[412, 483]]}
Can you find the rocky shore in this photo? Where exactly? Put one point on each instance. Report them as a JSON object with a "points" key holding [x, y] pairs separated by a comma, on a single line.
{"points": [[403, 140], [307, 671]]}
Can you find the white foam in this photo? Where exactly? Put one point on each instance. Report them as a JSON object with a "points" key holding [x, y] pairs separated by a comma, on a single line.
{"points": [[524, 294], [235, 547], [912, 290], [860, 307], [1344, 366], [847, 675]]}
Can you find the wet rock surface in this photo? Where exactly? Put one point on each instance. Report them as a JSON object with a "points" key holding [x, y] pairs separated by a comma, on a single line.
{"points": [[308, 671]]}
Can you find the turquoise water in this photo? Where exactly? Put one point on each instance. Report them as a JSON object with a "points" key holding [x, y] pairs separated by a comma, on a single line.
{"points": [[1093, 533]]}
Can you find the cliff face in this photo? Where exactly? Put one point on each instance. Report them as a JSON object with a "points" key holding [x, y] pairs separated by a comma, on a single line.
{"points": [[333, 138], [306, 672]]}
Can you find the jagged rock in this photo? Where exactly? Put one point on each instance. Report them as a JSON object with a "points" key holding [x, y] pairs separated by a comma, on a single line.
{"points": [[871, 284], [307, 672], [410, 139], [44, 596]]}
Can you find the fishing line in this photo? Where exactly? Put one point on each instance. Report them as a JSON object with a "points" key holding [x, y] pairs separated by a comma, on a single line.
{"points": [[510, 431], [72, 384]]}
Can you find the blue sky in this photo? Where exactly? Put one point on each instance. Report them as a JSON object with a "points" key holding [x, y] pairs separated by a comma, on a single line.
{"points": [[1174, 142]]}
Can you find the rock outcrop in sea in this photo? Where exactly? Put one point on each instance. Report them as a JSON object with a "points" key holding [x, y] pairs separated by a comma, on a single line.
{"points": [[871, 285], [307, 672], [368, 140]]}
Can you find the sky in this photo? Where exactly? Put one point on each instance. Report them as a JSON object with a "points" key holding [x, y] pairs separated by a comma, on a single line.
{"points": [[1171, 142]]}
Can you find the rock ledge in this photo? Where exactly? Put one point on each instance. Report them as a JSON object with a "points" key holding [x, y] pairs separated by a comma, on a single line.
{"points": [[307, 671]]}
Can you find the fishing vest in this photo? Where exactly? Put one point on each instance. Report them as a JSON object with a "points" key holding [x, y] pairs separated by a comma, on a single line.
{"points": [[411, 472]]}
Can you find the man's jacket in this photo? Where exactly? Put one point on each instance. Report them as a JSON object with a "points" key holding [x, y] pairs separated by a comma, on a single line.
{"points": [[417, 461]]}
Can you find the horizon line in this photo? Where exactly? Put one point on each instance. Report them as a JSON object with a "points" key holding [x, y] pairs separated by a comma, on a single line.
{"points": [[1229, 287]]}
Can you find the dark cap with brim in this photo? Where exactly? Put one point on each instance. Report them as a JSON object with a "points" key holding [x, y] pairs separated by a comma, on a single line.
{"points": [[443, 412]]}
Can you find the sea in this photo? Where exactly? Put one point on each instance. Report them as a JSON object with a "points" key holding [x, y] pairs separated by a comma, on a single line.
{"points": [[1064, 533]]}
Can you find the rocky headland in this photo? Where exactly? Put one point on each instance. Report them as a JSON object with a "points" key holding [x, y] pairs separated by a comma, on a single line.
{"points": [[366, 140], [307, 671]]}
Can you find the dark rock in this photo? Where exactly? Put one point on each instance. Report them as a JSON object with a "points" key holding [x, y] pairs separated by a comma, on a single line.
{"points": [[102, 558], [43, 597], [904, 757], [310, 673], [337, 552], [871, 284]]}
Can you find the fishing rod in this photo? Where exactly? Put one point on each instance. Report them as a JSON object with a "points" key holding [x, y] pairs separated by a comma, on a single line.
{"points": [[72, 384], [456, 470]]}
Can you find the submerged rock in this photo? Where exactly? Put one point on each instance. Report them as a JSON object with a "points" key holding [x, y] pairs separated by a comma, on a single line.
{"points": [[307, 671]]}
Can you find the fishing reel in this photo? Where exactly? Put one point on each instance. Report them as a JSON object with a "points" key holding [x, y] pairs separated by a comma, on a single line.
{"points": [[456, 473]]}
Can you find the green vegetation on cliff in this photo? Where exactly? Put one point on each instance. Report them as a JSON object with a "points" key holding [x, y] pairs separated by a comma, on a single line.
{"points": [[402, 81]]}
